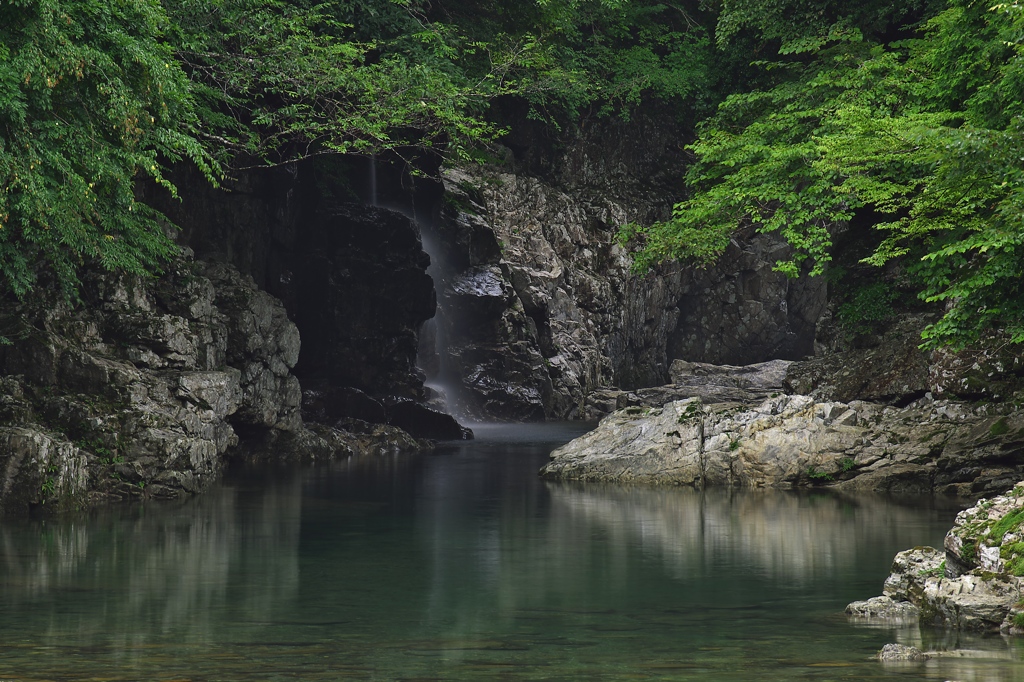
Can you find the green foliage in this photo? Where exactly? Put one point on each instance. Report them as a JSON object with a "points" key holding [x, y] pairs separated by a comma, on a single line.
{"points": [[1010, 522], [999, 428], [818, 475], [279, 80], [969, 552], [802, 25], [91, 98], [925, 132], [577, 58], [866, 307], [1018, 620], [1013, 554], [47, 488], [694, 411]]}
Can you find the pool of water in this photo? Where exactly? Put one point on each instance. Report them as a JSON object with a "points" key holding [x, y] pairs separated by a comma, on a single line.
{"points": [[463, 565]]}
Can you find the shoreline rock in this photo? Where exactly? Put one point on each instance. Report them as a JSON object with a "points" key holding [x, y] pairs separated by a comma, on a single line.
{"points": [[792, 440], [974, 583], [147, 388]]}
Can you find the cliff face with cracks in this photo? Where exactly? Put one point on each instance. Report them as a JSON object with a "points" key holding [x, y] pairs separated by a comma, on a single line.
{"points": [[553, 309], [351, 276], [144, 389], [538, 307]]}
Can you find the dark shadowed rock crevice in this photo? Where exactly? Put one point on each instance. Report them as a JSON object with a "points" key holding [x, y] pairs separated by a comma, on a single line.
{"points": [[364, 293], [352, 276]]}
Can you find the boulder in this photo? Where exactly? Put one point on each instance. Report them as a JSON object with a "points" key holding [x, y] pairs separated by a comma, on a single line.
{"points": [[909, 570], [328, 405], [884, 609], [975, 583], [37, 468], [423, 422], [894, 371], [789, 440], [901, 652]]}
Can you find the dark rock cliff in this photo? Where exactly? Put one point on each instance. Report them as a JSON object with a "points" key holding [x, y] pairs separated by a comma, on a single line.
{"points": [[538, 306], [145, 388], [352, 278], [526, 308]]}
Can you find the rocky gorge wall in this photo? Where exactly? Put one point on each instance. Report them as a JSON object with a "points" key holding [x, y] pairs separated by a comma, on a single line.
{"points": [[144, 388], [526, 308], [536, 306], [554, 311]]}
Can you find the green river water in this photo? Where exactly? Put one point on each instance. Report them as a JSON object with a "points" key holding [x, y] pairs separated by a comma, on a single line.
{"points": [[463, 565]]}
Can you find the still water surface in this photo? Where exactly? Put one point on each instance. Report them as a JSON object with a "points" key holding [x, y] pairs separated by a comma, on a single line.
{"points": [[463, 565]]}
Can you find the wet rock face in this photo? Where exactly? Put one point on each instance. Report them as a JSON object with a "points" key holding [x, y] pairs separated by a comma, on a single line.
{"points": [[560, 315], [490, 345], [351, 277], [740, 311], [364, 293], [424, 422], [994, 371], [569, 299], [894, 371], [747, 384]]}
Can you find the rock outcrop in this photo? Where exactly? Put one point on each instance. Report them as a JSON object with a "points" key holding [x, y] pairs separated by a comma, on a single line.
{"points": [[364, 292], [749, 384], [975, 583], [351, 276], [788, 440], [554, 309], [893, 369], [144, 388]]}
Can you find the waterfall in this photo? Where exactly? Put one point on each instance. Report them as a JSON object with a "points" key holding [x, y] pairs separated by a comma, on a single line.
{"points": [[436, 361], [445, 391]]}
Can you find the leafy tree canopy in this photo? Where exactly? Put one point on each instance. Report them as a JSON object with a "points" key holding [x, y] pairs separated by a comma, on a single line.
{"points": [[91, 97], [924, 131], [816, 112], [96, 95]]}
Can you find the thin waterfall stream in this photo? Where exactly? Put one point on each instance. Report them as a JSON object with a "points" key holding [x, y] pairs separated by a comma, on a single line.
{"points": [[445, 390]]}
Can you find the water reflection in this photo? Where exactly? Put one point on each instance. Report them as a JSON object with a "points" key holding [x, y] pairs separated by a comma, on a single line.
{"points": [[125, 580], [461, 564], [792, 537]]}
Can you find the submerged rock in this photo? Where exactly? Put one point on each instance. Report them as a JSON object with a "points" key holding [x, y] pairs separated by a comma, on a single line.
{"points": [[901, 652], [884, 609]]}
